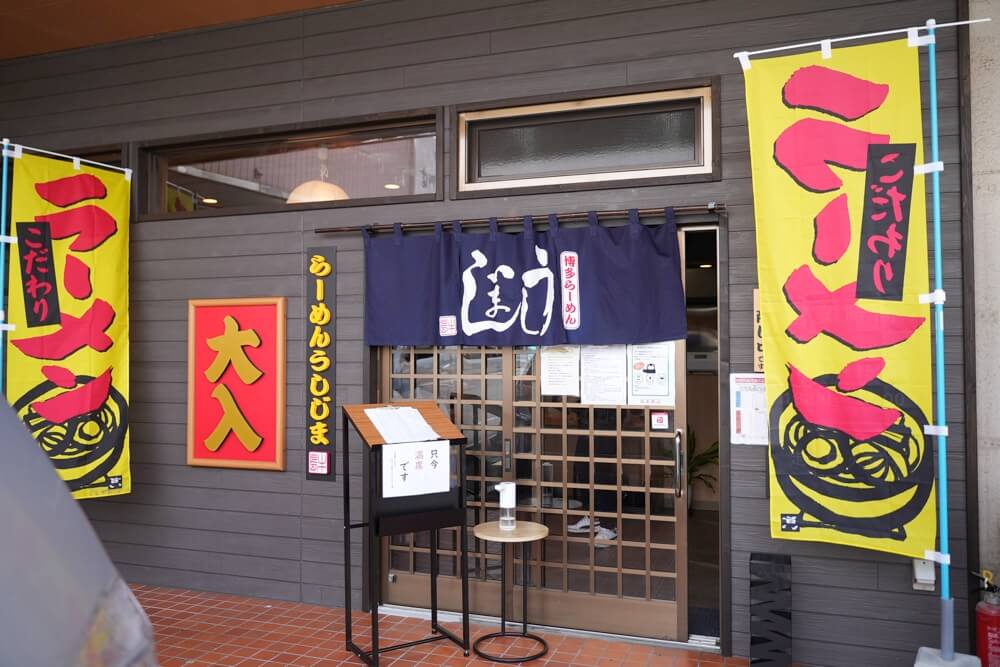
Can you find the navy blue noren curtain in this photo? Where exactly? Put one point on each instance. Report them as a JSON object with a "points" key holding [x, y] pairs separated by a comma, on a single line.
{"points": [[590, 285]]}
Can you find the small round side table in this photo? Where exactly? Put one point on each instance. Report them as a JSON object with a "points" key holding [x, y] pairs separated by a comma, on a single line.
{"points": [[525, 532]]}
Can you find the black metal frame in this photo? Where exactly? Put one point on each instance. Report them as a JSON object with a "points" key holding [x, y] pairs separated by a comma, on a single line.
{"points": [[378, 527], [525, 553], [725, 449]]}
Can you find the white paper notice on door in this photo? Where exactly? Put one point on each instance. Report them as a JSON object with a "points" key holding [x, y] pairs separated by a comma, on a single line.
{"points": [[415, 468], [400, 424], [603, 375], [560, 370], [747, 409], [651, 374]]}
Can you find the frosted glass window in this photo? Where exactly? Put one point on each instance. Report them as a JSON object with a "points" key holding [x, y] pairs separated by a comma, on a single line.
{"points": [[541, 147], [637, 137]]}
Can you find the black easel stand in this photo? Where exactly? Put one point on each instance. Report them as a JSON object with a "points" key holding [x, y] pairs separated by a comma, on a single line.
{"points": [[379, 526]]}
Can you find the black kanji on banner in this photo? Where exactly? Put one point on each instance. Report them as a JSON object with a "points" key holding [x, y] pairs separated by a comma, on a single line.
{"points": [[886, 221], [38, 274]]}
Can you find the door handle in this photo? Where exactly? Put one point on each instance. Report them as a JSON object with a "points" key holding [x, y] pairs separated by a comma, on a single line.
{"points": [[507, 455], [679, 466]]}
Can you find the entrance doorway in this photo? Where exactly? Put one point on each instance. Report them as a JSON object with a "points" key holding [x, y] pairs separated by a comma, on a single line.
{"points": [[604, 482]]}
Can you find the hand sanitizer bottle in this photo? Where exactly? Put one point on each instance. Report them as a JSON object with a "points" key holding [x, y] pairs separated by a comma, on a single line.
{"points": [[508, 502]]}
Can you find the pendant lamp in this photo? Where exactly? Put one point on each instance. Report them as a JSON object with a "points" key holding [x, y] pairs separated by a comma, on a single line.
{"points": [[316, 191]]}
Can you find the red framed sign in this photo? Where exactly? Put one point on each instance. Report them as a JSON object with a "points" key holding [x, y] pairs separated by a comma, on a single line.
{"points": [[236, 383]]}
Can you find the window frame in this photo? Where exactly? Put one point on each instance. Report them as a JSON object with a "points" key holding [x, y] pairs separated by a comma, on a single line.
{"points": [[148, 192], [603, 102]]}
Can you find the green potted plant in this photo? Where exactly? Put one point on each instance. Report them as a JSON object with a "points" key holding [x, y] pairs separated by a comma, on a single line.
{"points": [[698, 464]]}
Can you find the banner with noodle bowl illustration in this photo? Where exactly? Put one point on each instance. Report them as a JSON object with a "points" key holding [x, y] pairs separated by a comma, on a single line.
{"points": [[67, 360], [842, 260]]}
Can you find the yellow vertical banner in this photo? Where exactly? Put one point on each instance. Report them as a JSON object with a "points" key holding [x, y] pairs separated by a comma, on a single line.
{"points": [[842, 260], [66, 363]]}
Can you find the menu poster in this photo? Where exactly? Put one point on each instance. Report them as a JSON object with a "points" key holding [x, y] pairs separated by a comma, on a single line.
{"points": [[603, 375], [748, 409], [651, 374], [560, 370]]}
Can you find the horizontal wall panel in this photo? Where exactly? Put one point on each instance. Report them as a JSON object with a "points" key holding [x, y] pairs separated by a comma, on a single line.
{"points": [[249, 118], [914, 607], [512, 85], [161, 576], [214, 541], [248, 244], [263, 502], [262, 265], [195, 518], [183, 559], [448, 48], [678, 19], [158, 89], [879, 633], [329, 551], [378, 14], [164, 310], [167, 47], [217, 101]]}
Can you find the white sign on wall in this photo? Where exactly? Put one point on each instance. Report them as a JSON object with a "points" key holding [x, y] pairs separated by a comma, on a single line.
{"points": [[747, 409], [415, 468]]}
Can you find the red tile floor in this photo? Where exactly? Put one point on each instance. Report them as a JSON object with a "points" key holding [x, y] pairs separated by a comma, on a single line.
{"points": [[196, 629]]}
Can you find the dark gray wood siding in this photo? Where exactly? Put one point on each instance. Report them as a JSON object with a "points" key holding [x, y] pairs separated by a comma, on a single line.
{"points": [[273, 534]]}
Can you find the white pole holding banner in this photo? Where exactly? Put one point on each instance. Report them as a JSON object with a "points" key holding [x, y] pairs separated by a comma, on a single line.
{"points": [[4, 252]]}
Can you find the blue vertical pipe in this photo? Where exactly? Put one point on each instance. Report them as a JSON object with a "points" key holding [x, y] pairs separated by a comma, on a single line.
{"points": [[947, 604], [4, 201]]}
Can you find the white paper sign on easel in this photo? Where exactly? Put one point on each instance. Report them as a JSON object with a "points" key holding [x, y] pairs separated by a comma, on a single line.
{"points": [[415, 468]]}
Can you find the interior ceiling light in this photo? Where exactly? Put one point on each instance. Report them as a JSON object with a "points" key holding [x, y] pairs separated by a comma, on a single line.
{"points": [[321, 190], [704, 266], [391, 186], [313, 191], [209, 200]]}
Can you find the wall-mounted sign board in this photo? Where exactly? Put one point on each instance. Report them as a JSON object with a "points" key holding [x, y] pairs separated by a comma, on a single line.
{"points": [[236, 383]]}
